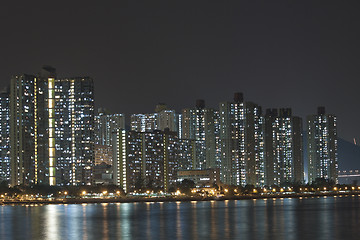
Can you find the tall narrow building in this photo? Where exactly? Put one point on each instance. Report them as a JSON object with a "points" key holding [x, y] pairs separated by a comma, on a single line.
{"points": [[283, 143], [4, 136], [232, 138], [254, 145], [322, 146], [201, 125], [23, 103], [74, 126]]}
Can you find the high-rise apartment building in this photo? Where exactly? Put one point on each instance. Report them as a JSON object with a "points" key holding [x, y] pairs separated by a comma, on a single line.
{"points": [[322, 146], [106, 123], [25, 155], [283, 145], [4, 136], [254, 145], [144, 122], [202, 125], [232, 139], [74, 130], [149, 159], [51, 129]]}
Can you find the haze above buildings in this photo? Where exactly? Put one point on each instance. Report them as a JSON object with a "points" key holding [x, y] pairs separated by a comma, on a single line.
{"points": [[299, 55]]}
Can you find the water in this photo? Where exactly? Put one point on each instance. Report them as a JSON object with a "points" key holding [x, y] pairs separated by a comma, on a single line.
{"points": [[307, 218]]}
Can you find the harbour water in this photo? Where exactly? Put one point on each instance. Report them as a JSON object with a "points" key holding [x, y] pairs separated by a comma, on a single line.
{"points": [[285, 218]]}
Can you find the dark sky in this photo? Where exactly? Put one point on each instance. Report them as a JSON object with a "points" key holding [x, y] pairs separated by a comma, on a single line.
{"points": [[298, 54]]}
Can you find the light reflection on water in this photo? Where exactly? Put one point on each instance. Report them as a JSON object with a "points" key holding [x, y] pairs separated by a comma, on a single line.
{"points": [[315, 218]]}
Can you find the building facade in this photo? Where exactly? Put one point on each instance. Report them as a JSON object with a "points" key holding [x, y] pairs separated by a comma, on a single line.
{"points": [[145, 160], [232, 139], [322, 146], [51, 129], [283, 143], [4, 136]]}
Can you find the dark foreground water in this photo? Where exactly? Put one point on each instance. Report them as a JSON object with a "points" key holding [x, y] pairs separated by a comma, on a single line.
{"points": [[307, 218]]}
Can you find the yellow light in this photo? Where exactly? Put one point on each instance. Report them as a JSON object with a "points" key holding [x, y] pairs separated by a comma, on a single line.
{"points": [[84, 192], [65, 193], [324, 188], [254, 190], [147, 192], [226, 190], [353, 188], [118, 192], [104, 192], [281, 189], [335, 188], [274, 190]]}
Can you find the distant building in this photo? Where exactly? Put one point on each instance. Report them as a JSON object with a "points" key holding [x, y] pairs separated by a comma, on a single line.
{"points": [[254, 145], [51, 129], [232, 139], [202, 125], [4, 136], [322, 146], [144, 122], [283, 144], [106, 124], [145, 159]]}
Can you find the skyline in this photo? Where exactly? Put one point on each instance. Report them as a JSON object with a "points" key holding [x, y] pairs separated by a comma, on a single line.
{"points": [[298, 55]]}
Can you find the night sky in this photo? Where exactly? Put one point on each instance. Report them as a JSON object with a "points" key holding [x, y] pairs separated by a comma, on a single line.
{"points": [[140, 53]]}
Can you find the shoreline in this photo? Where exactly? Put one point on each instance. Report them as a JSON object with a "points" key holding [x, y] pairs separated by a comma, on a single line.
{"points": [[173, 199]]}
